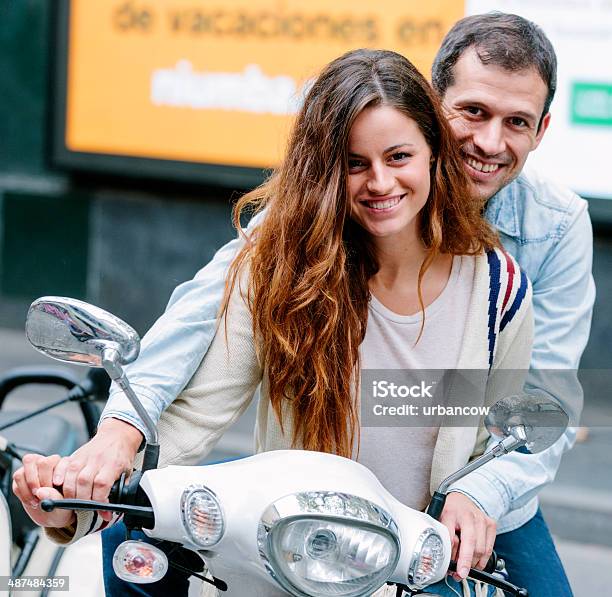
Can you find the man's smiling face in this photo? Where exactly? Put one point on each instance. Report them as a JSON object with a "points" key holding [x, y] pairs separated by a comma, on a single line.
{"points": [[495, 115]]}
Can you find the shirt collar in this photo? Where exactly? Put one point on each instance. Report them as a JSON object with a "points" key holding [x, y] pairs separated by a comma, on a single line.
{"points": [[501, 210]]}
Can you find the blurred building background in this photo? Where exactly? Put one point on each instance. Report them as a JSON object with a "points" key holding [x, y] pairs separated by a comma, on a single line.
{"points": [[100, 231], [121, 232], [124, 242]]}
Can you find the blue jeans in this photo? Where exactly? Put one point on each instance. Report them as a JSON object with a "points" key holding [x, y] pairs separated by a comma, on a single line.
{"points": [[529, 552], [532, 560]]}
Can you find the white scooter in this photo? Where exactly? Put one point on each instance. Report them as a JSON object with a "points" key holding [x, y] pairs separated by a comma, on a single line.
{"points": [[279, 523], [28, 560]]}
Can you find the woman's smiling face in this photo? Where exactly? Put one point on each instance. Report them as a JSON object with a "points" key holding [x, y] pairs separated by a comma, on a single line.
{"points": [[389, 172]]}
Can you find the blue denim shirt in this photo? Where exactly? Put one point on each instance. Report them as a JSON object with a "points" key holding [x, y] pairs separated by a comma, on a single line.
{"points": [[545, 227], [548, 230]]}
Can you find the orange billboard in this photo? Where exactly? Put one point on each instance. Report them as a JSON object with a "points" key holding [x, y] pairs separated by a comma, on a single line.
{"points": [[217, 82]]}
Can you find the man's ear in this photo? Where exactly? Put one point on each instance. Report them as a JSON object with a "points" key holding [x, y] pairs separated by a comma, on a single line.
{"points": [[543, 127]]}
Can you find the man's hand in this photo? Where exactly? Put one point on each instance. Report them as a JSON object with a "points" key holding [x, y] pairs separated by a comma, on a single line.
{"points": [[472, 533], [91, 471]]}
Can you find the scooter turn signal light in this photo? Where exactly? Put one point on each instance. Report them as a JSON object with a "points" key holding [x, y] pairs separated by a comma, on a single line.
{"points": [[138, 562]]}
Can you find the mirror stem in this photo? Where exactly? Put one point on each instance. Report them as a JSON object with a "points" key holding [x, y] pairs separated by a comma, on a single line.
{"points": [[110, 362], [505, 446], [516, 439]]}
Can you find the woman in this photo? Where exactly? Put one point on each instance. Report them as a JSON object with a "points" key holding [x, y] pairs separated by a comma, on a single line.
{"points": [[371, 254]]}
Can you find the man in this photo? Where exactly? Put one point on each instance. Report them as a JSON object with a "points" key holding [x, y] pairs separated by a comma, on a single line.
{"points": [[496, 75], [498, 94]]}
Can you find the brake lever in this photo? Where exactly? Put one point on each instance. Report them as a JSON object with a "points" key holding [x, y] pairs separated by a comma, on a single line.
{"points": [[145, 513], [499, 583]]}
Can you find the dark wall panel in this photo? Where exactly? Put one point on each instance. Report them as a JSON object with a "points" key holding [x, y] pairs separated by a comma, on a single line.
{"points": [[44, 246], [25, 60], [142, 247]]}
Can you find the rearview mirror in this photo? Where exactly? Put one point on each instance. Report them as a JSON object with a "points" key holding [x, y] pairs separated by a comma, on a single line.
{"points": [[76, 332], [543, 421]]}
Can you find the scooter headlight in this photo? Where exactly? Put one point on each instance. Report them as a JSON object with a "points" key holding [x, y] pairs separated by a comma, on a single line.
{"points": [[202, 516], [427, 559], [325, 543]]}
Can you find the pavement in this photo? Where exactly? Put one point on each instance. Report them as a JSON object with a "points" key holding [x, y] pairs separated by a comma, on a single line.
{"points": [[577, 506]]}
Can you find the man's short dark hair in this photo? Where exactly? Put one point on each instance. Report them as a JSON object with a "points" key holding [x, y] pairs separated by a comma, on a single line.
{"points": [[505, 40]]}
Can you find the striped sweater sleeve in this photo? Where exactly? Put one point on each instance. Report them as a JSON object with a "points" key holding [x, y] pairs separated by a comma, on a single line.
{"points": [[86, 522]]}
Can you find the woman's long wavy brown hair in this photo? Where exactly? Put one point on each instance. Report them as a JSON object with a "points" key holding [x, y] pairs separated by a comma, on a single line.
{"points": [[309, 263]]}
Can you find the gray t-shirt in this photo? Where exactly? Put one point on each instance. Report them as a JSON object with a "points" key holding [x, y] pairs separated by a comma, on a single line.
{"points": [[401, 456]]}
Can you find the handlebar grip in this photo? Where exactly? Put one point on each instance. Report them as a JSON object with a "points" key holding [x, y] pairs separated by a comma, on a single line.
{"points": [[114, 496], [489, 568], [492, 563]]}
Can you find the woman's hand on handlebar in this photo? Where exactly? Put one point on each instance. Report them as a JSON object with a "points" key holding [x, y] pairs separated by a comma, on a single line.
{"points": [[32, 483], [91, 471], [472, 533]]}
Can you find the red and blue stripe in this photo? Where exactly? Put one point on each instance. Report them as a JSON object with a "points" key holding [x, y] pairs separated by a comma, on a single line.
{"points": [[497, 260]]}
